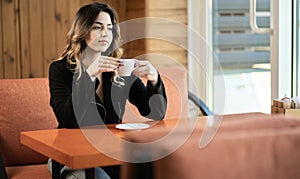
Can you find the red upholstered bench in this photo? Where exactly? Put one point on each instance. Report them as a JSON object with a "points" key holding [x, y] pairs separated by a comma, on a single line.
{"points": [[253, 147], [24, 106]]}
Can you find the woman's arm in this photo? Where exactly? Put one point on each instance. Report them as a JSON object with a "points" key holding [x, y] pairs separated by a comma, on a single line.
{"points": [[151, 100], [71, 99]]}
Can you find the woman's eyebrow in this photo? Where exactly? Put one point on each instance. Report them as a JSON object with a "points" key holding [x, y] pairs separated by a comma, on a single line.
{"points": [[100, 23]]}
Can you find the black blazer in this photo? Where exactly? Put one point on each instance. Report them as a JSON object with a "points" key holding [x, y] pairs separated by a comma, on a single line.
{"points": [[75, 102]]}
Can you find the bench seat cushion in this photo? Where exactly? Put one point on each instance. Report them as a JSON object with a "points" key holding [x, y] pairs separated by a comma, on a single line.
{"points": [[28, 171]]}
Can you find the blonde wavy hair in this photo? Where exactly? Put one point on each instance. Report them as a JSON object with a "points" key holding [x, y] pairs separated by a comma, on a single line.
{"points": [[82, 24]]}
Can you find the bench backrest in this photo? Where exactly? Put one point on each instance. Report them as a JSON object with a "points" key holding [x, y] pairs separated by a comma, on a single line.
{"points": [[24, 107]]}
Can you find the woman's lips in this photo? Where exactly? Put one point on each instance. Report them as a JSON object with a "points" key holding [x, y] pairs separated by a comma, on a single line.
{"points": [[103, 41]]}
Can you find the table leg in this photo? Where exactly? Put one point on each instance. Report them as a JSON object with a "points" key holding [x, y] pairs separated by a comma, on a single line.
{"points": [[56, 168], [90, 173], [3, 173]]}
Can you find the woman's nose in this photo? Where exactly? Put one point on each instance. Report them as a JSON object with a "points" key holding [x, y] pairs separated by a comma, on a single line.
{"points": [[103, 32]]}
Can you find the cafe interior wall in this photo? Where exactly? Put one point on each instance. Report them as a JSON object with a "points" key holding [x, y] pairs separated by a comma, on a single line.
{"points": [[33, 32]]}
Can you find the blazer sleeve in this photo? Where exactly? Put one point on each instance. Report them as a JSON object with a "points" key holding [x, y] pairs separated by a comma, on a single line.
{"points": [[150, 100]]}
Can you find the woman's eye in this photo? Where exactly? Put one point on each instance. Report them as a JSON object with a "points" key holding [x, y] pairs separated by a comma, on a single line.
{"points": [[97, 28]]}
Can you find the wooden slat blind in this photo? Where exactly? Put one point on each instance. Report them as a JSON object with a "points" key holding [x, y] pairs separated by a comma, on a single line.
{"points": [[239, 5], [236, 46]]}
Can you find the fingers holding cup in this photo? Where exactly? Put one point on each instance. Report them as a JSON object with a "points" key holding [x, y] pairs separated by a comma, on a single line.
{"points": [[108, 64], [126, 67], [103, 64], [147, 70]]}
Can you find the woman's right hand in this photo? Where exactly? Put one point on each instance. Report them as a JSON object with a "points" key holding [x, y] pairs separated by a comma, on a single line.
{"points": [[103, 64]]}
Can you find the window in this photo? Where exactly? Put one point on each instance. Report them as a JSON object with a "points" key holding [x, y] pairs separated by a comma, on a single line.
{"points": [[243, 55], [256, 68]]}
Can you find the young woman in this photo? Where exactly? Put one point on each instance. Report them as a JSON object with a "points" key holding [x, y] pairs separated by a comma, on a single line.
{"points": [[85, 87]]}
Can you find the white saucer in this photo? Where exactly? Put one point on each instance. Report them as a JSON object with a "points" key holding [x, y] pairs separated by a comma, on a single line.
{"points": [[132, 126]]}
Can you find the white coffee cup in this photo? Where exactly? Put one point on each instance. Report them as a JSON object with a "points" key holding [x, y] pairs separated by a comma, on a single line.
{"points": [[127, 67]]}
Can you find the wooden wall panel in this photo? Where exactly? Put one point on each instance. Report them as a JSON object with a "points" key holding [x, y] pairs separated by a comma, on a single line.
{"points": [[112, 3], [174, 11], [174, 14], [43, 32], [10, 39], [84, 2], [168, 58], [122, 10], [135, 5], [166, 4], [36, 38], [1, 45], [49, 34], [73, 8], [160, 45], [24, 38], [135, 9], [62, 23], [33, 32]]}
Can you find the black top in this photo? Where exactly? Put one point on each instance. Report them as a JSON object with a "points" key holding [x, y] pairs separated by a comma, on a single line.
{"points": [[75, 102]]}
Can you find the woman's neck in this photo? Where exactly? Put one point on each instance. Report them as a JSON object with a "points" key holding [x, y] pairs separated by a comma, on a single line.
{"points": [[89, 56]]}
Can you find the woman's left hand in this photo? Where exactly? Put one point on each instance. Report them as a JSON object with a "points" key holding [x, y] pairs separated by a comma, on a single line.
{"points": [[145, 69]]}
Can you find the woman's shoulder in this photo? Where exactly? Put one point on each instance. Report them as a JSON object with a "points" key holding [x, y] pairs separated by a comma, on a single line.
{"points": [[59, 66], [59, 62]]}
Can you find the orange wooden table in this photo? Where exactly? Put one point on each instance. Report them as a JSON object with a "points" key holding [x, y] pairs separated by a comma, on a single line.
{"points": [[96, 146], [77, 148]]}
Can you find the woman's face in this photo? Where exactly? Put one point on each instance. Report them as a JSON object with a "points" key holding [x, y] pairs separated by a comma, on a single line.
{"points": [[100, 36]]}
